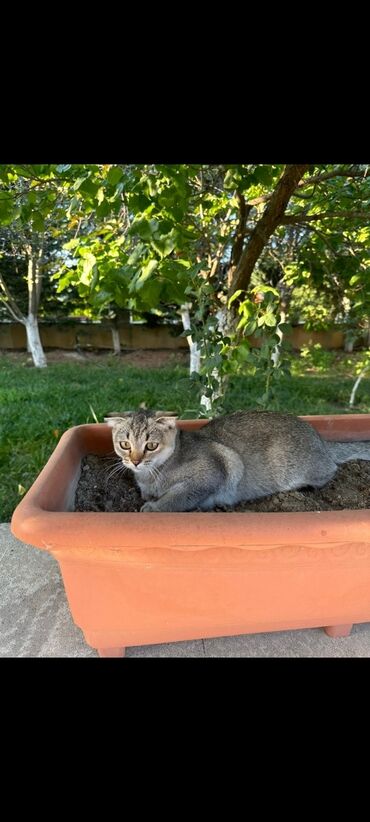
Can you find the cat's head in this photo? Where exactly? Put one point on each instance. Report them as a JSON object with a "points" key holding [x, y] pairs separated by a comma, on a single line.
{"points": [[143, 439]]}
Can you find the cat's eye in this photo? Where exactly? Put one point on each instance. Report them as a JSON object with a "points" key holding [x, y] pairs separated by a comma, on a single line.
{"points": [[125, 445], [151, 446]]}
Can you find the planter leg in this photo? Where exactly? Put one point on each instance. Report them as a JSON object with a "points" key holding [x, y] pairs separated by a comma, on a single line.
{"points": [[111, 652], [338, 630]]}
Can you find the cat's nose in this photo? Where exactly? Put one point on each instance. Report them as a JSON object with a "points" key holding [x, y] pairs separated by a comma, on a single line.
{"points": [[136, 461]]}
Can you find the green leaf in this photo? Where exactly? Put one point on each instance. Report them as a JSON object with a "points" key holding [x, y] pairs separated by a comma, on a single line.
{"points": [[270, 320], [235, 296], [265, 289], [150, 294], [89, 187], [229, 180], [148, 269], [143, 228], [65, 167], [136, 254], [95, 277], [6, 207], [85, 266], [263, 174], [103, 209], [114, 175], [65, 280], [83, 251], [71, 244], [74, 206], [146, 272], [38, 223], [138, 202], [164, 243], [100, 195], [248, 325], [78, 183]]}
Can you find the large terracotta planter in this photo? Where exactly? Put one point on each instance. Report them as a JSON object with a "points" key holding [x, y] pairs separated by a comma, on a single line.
{"points": [[138, 578]]}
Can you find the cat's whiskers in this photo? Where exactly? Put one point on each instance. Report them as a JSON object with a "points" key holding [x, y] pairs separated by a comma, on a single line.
{"points": [[117, 469], [149, 466], [111, 456], [154, 472]]}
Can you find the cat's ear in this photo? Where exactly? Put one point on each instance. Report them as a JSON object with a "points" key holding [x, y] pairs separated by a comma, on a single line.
{"points": [[115, 417], [112, 421], [167, 419]]}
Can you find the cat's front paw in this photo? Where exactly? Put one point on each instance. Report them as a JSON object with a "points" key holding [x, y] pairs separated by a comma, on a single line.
{"points": [[149, 506]]}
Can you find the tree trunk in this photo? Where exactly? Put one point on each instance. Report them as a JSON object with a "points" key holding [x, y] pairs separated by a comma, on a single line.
{"points": [[194, 350], [355, 387], [34, 283], [116, 340], [34, 342], [208, 402], [222, 320], [265, 227]]}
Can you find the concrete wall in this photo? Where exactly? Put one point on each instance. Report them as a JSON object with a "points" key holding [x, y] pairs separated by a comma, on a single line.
{"points": [[90, 335]]}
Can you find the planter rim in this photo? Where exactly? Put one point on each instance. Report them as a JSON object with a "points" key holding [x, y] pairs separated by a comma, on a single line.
{"points": [[42, 517]]}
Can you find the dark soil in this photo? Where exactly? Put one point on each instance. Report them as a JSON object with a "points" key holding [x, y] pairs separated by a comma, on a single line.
{"points": [[98, 491]]}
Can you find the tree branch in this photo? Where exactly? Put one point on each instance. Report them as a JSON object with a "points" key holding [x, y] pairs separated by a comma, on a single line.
{"points": [[237, 248], [266, 225], [327, 175], [311, 227], [305, 218], [221, 246], [10, 303], [38, 269]]}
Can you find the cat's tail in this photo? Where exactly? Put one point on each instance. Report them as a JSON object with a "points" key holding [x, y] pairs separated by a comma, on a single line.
{"points": [[344, 451]]}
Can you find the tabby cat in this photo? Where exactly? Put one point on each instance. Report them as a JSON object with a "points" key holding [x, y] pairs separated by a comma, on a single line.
{"points": [[240, 456]]}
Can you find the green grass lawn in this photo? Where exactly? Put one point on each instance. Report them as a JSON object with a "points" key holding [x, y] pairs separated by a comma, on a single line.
{"points": [[36, 406]]}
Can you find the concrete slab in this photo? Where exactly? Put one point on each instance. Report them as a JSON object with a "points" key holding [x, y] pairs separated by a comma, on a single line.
{"points": [[191, 648], [35, 620], [312, 642]]}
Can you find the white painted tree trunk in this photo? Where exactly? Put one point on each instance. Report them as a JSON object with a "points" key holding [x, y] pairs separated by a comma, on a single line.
{"points": [[116, 340], [357, 383], [34, 342], [207, 402], [34, 283], [222, 317], [194, 350]]}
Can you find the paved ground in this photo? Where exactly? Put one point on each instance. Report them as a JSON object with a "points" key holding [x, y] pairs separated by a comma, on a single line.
{"points": [[35, 620]]}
